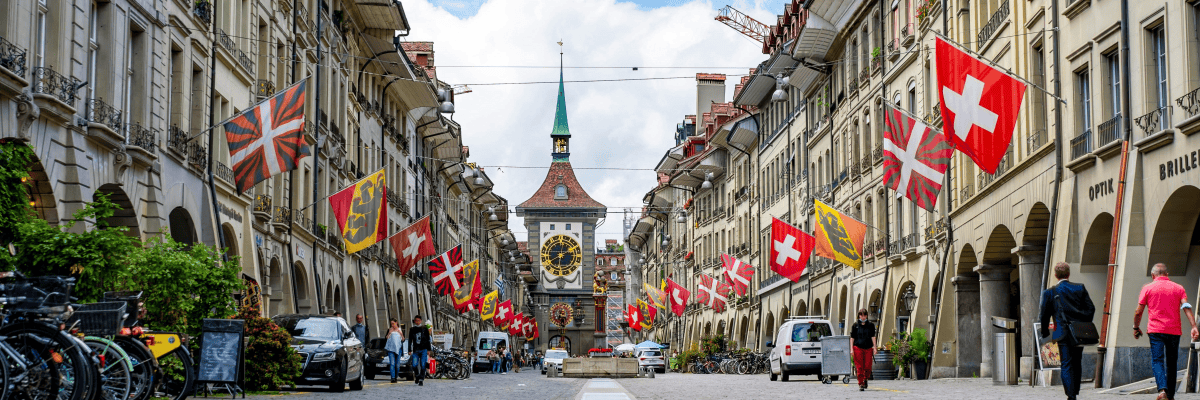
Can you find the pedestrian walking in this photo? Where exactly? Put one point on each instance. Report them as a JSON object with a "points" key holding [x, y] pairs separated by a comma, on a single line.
{"points": [[360, 329], [495, 359], [862, 334], [516, 361], [421, 342], [1072, 308], [506, 361], [394, 346], [1165, 299]]}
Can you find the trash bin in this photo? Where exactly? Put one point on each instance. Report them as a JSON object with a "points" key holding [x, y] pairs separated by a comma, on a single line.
{"points": [[1004, 362]]}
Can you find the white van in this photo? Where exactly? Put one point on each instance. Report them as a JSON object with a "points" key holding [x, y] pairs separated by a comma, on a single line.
{"points": [[797, 347], [486, 342]]}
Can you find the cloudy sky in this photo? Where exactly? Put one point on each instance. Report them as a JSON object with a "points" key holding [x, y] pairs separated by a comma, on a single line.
{"points": [[613, 124]]}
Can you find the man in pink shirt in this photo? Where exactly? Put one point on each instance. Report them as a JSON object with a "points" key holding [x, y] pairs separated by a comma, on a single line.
{"points": [[1165, 299]]}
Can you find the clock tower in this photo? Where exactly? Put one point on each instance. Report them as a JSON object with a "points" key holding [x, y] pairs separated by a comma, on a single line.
{"points": [[561, 220]]}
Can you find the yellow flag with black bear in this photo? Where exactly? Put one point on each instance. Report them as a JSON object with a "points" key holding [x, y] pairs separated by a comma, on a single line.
{"points": [[839, 237], [360, 213], [488, 309]]}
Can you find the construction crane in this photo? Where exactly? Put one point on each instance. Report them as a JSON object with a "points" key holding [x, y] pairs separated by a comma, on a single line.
{"points": [[744, 24], [461, 89]]}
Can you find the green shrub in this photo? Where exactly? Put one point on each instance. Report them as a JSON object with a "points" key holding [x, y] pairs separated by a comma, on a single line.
{"points": [[182, 285], [270, 361]]}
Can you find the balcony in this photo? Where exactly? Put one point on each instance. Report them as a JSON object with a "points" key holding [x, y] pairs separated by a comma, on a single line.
{"points": [[993, 25], [1190, 103], [177, 140], [203, 11], [105, 114], [1154, 121], [1037, 140], [263, 88], [302, 220], [197, 155], [1109, 131], [967, 191], [223, 172], [925, 12], [877, 154], [262, 206], [49, 82], [237, 53], [893, 49], [935, 114], [12, 57], [143, 137], [1081, 145], [281, 215], [937, 229], [302, 16], [1005, 163], [906, 34], [905, 244], [864, 77]]}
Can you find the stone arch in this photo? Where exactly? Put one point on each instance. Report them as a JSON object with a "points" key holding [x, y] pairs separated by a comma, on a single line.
{"points": [[328, 303], [183, 230], [1176, 239], [968, 352], [875, 305], [231, 242], [816, 308], [300, 280], [274, 288], [769, 329], [1037, 226], [353, 300], [743, 325], [41, 192], [901, 311], [707, 330], [1093, 261], [842, 317], [126, 215], [339, 302], [721, 329], [801, 308]]}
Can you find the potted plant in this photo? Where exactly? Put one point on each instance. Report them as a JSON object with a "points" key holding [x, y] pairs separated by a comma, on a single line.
{"points": [[901, 352], [919, 346]]}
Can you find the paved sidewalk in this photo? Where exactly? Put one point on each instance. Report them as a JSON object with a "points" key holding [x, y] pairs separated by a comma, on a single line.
{"points": [[603, 389]]}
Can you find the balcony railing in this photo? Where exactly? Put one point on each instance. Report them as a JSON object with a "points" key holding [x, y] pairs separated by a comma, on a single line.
{"points": [[938, 228], [263, 88], [993, 24], [1005, 163], [1037, 140], [197, 155], [48, 81], [262, 204], [877, 154], [303, 17], [224, 172], [865, 164], [177, 140], [203, 11], [967, 191], [908, 242], [304, 221], [1155, 121], [12, 57], [143, 137], [104, 114], [1081, 145], [237, 53], [935, 113], [1190, 103], [906, 34], [864, 76], [281, 215], [1109, 131]]}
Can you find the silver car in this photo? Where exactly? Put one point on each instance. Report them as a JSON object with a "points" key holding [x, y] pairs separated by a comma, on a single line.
{"points": [[553, 359], [652, 358]]}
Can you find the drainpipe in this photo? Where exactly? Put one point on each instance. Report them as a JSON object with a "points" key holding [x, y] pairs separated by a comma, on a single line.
{"points": [[1112, 250], [212, 109], [317, 159], [291, 272]]}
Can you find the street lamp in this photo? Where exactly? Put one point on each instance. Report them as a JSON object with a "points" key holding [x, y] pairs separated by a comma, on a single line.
{"points": [[492, 217], [780, 94], [874, 310], [707, 180], [910, 300], [682, 217], [467, 173]]}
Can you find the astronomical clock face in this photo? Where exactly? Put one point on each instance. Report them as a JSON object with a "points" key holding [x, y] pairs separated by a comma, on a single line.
{"points": [[561, 255]]}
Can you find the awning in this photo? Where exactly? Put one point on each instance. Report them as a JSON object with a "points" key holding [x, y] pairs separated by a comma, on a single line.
{"points": [[448, 145], [657, 204], [803, 77], [712, 163], [670, 160], [815, 38], [744, 133], [637, 236], [381, 14], [837, 12], [763, 82], [688, 177], [387, 57]]}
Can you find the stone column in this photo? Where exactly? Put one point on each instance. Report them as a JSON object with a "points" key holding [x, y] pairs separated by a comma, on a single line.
{"points": [[1030, 270], [993, 301], [966, 295]]}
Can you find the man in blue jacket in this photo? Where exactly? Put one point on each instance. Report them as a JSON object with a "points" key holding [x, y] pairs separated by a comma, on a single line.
{"points": [[1070, 302]]}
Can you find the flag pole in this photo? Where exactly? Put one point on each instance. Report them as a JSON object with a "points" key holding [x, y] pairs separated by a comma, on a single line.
{"points": [[949, 241], [1009, 72], [317, 157], [212, 108]]}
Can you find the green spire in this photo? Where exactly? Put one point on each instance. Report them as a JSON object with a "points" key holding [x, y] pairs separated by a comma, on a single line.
{"points": [[560, 114]]}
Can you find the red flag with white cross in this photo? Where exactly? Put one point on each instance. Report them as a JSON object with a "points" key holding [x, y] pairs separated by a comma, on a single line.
{"points": [[412, 244], [713, 293], [790, 249], [979, 105], [677, 295], [517, 327], [737, 273], [447, 271], [533, 329], [503, 314], [915, 158], [634, 317]]}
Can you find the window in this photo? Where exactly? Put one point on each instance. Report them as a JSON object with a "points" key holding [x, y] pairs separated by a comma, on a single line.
{"points": [[1159, 47], [92, 47], [1112, 63], [39, 40], [899, 218], [1085, 100], [560, 192], [551, 226], [1037, 61], [568, 227]]}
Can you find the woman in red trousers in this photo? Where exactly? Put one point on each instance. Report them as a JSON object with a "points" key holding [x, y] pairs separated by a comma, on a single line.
{"points": [[862, 334]]}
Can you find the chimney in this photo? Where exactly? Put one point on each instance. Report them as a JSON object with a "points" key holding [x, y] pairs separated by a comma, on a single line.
{"points": [[710, 88]]}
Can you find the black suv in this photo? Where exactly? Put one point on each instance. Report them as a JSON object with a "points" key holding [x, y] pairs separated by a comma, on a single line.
{"points": [[332, 354], [377, 361]]}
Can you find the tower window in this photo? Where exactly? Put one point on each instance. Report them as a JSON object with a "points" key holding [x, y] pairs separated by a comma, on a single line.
{"points": [[560, 192]]}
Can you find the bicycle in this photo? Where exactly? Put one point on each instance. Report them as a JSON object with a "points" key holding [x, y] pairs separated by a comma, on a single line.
{"points": [[50, 363]]}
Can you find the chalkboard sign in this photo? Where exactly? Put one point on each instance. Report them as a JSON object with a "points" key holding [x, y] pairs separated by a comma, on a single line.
{"points": [[221, 350]]}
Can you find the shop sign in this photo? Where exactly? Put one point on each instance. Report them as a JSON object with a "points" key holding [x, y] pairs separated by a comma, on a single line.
{"points": [[1185, 163], [1098, 190], [231, 213]]}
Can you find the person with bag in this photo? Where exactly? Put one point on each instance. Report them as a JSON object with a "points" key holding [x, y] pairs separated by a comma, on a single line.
{"points": [[1164, 299], [394, 346], [491, 356], [1072, 309], [421, 342]]}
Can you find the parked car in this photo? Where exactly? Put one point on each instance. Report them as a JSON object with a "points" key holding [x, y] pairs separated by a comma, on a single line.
{"points": [[378, 362], [553, 359], [797, 347], [486, 342], [652, 358], [332, 355]]}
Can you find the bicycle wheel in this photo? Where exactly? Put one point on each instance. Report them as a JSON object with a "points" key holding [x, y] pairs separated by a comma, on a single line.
{"points": [[115, 368], [179, 374], [53, 359], [743, 367], [145, 371]]}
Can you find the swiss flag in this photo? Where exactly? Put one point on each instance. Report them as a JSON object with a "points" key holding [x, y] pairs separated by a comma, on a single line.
{"points": [[517, 326], [712, 293], [412, 244], [790, 248], [533, 329], [979, 105], [634, 317], [737, 273], [677, 295], [503, 313], [529, 327]]}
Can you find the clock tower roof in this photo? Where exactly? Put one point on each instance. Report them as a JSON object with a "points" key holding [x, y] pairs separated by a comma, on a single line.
{"points": [[572, 195]]}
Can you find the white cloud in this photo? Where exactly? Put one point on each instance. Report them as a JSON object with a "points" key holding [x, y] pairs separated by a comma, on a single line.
{"points": [[614, 124]]}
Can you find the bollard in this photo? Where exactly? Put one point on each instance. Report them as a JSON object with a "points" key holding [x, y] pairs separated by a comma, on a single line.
{"points": [[650, 373]]}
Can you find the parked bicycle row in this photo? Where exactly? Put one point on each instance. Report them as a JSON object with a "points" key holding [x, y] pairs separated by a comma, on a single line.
{"points": [[747, 363]]}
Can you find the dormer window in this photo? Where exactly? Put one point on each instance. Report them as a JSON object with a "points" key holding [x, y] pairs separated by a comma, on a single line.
{"points": [[560, 192]]}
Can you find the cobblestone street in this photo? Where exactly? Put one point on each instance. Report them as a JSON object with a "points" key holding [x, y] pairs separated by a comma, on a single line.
{"points": [[530, 385]]}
